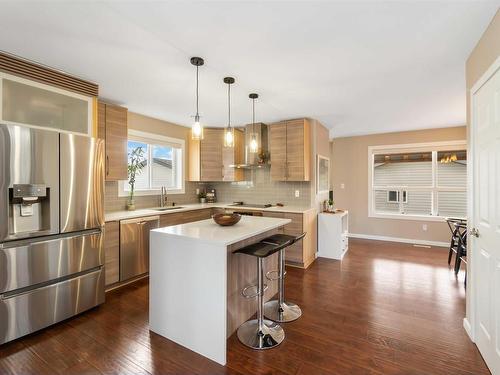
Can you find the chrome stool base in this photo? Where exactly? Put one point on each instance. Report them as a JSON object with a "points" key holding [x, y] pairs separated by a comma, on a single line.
{"points": [[271, 335], [287, 312]]}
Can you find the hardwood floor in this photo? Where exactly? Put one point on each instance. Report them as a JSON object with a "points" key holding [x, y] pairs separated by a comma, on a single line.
{"points": [[387, 308]]}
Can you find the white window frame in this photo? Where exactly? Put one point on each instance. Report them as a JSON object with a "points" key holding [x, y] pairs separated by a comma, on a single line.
{"points": [[435, 147], [43, 86], [155, 139]]}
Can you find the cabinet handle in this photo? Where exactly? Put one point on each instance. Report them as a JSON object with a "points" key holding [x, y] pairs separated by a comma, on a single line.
{"points": [[107, 165]]}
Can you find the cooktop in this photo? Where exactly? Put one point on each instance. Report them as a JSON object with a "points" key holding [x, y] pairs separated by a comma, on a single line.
{"points": [[252, 205]]}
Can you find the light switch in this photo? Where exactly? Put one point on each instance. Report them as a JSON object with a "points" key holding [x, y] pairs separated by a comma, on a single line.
{"points": [[342, 185]]}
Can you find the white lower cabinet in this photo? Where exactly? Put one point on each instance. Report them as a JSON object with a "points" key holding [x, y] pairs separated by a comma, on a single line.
{"points": [[333, 231]]}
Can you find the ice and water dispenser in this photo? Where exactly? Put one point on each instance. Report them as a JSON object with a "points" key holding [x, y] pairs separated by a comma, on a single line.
{"points": [[29, 208]]}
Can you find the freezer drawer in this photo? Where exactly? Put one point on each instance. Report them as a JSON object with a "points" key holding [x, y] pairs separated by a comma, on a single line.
{"points": [[38, 262], [134, 246], [39, 308]]}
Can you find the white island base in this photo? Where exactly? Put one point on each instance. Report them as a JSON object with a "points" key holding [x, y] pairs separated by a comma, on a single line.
{"points": [[196, 281]]}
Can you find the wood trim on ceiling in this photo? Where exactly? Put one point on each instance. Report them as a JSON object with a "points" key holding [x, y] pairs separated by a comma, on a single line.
{"points": [[40, 73]]}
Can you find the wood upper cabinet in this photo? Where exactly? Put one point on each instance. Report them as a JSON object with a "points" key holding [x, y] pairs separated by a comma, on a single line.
{"points": [[277, 144], [211, 155], [209, 160], [112, 252], [112, 127], [290, 150]]}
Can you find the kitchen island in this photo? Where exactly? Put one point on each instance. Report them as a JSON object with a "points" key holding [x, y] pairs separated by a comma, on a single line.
{"points": [[196, 281]]}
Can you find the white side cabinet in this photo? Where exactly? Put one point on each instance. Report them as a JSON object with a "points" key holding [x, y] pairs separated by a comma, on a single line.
{"points": [[332, 234]]}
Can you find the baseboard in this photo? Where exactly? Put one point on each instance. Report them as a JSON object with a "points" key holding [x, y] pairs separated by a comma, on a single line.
{"points": [[396, 239], [468, 329]]}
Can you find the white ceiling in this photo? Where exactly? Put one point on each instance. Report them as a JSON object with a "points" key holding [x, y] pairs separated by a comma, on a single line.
{"points": [[358, 67]]}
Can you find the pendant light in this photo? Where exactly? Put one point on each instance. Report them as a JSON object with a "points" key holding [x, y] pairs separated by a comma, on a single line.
{"points": [[197, 128], [254, 145], [229, 132]]}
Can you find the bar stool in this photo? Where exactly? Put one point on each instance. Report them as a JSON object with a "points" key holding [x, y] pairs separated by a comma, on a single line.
{"points": [[280, 310], [259, 333]]}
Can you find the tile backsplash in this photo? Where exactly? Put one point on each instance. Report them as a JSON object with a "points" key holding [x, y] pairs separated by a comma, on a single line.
{"points": [[261, 189], [258, 189]]}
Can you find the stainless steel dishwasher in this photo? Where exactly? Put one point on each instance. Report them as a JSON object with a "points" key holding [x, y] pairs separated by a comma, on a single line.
{"points": [[134, 245]]}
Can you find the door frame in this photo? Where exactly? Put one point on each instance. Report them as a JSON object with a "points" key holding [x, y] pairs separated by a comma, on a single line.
{"points": [[469, 321]]}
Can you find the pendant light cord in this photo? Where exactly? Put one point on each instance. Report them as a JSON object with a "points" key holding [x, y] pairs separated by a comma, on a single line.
{"points": [[229, 105], [253, 116], [197, 95]]}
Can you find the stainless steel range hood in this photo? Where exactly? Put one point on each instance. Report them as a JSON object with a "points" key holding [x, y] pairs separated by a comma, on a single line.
{"points": [[252, 158]]}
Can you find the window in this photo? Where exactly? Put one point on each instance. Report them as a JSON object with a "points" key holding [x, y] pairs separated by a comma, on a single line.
{"points": [[163, 164], [394, 196], [418, 181]]}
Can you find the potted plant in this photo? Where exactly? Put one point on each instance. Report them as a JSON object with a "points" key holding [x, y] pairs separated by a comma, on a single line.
{"points": [[202, 196], [331, 202], [136, 162]]}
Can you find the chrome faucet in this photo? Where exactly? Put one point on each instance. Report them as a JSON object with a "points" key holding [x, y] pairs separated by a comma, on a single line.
{"points": [[163, 196]]}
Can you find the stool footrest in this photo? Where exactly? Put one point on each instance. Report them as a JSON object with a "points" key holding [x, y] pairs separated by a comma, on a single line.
{"points": [[256, 294], [268, 273]]}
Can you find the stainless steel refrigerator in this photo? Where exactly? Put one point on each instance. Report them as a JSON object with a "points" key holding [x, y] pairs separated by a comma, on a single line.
{"points": [[51, 219]]}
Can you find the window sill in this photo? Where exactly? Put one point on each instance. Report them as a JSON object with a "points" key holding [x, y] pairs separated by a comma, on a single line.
{"points": [[407, 217]]}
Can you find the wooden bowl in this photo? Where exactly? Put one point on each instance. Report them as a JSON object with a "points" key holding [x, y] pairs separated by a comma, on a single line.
{"points": [[226, 219]]}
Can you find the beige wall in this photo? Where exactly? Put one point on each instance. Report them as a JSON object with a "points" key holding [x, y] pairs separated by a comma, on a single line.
{"points": [[151, 125], [482, 57], [349, 158], [320, 146]]}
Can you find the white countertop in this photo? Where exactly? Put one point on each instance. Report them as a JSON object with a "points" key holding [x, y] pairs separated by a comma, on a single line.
{"points": [[209, 231], [122, 215]]}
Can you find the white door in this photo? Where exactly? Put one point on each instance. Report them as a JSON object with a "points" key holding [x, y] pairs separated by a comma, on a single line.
{"points": [[485, 244]]}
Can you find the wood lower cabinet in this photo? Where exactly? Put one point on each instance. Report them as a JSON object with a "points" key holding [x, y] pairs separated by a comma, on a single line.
{"points": [[185, 217], [112, 127], [112, 252], [209, 160], [290, 146], [112, 240], [303, 252]]}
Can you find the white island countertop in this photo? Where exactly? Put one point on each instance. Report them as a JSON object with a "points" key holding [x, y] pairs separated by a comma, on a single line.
{"points": [[209, 231]]}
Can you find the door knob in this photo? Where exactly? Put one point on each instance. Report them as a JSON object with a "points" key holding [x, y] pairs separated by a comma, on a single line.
{"points": [[474, 232]]}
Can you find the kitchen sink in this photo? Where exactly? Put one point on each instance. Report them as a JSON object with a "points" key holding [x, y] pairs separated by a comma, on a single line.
{"points": [[167, 208]]}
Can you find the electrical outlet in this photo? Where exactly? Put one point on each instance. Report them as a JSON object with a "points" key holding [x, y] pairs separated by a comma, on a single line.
{"points": [[297, 193], [424, 227], [342, 186], [197, 191]]}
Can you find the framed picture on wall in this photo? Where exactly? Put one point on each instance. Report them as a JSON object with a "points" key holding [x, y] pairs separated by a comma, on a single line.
{"points": [[322, 174]]}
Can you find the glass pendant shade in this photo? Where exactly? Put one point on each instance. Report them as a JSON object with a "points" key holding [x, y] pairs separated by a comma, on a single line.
{"points": [[254, 145], [229, 137], [197, 130]]}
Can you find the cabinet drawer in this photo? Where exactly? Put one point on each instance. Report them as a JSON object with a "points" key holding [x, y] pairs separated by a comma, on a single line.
{"points": [[185, 217], [43, 261], [39, 308]]}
